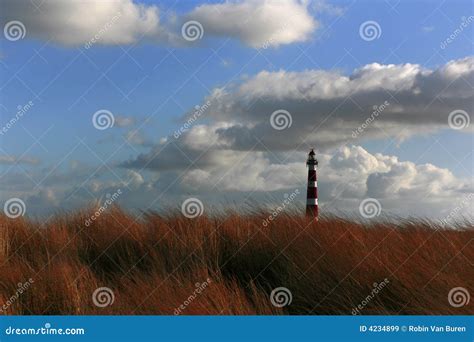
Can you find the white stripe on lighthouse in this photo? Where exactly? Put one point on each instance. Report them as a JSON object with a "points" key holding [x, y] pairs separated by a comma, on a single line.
{"points": [[312, 167], [312, 201], [312, 184]]}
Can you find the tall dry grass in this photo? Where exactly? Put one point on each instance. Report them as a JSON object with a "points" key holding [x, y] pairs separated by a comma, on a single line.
{"points": [[153, 264]]}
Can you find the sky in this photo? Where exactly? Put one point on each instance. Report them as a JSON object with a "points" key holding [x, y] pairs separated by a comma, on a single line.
{"points": [[221, 101]]}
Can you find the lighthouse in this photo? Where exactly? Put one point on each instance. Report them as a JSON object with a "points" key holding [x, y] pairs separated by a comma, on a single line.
{"points": [[312, 193]]}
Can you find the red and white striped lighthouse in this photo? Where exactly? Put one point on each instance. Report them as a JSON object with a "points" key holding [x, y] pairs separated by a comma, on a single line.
{"points": [[312, 193]]}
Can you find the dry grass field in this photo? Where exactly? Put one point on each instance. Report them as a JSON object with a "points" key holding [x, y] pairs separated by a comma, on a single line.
{"points": [[229, 264]]}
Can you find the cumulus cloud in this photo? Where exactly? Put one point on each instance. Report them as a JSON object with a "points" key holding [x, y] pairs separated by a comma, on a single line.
{"points": [[328, 108], [75, 22], [382, 176], [257, 23], [351, 173]]}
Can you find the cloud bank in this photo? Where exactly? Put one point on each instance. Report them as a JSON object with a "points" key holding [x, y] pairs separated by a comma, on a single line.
{"points": [[75, 22], [327, 109]]}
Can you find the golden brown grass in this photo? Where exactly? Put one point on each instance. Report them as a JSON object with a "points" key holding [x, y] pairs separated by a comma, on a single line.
{"points": [[152, 264]]}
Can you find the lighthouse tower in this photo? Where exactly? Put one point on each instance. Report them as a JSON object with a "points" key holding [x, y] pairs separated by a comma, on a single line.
{"points": [[312, 193]]}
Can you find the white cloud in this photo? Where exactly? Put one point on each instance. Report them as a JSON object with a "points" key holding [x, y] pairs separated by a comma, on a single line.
{"points": [[327, 106], [78, 22], [382, 176], [256, 22], [403, 187]]}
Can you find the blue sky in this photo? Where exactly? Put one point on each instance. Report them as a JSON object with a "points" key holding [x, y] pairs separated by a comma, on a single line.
{"points": [[150, 85]]}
